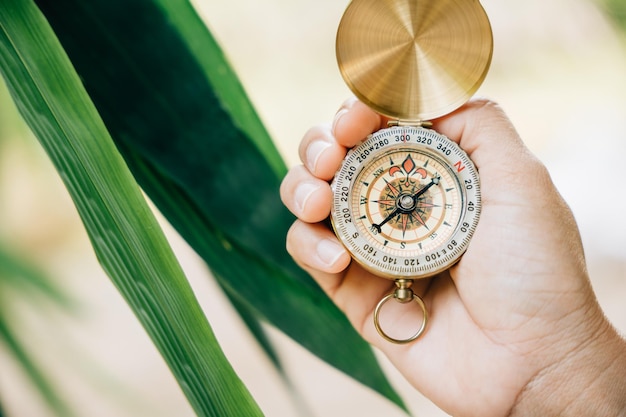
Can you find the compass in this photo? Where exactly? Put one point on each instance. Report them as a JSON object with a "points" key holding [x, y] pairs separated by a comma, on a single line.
{"points": [[406, 200]]}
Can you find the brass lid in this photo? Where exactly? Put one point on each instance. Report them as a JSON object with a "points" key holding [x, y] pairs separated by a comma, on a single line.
{"points": [[414, 59]]}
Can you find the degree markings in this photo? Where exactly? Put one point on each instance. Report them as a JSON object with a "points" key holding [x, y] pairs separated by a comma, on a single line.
{"points": [[442, 209]]}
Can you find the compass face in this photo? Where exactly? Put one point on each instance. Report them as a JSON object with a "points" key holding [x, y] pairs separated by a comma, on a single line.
{"points": [[406, 202]]}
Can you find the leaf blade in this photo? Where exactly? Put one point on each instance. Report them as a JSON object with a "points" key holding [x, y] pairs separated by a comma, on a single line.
{"points": [[37, 378], [127, 240], [180, 137], [18, 272], [222, 77], [304, 304]]}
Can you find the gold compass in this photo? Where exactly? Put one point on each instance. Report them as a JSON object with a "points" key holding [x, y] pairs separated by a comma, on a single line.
{"points": [[407, 199]]}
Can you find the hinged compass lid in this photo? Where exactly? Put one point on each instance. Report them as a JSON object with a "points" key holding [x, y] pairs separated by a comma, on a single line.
{"points": [[414, 60]]}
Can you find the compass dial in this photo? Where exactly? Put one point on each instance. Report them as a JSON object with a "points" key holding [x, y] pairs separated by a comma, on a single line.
{"points": [[406, 202]]}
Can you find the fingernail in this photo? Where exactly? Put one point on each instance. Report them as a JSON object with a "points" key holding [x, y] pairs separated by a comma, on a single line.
{"points": [[329, 251], [338, 118], [302, 194], [313, 153]]}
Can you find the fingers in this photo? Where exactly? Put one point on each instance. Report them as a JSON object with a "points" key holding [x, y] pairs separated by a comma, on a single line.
{"points": [[355, 291], [305, 190], [320, 152], [306, 196], [323, 147], [354, 122], [314, 246]]}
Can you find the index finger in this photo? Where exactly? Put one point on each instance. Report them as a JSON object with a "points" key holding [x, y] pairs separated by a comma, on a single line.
{"points": [[323, 147], [354, 122]]}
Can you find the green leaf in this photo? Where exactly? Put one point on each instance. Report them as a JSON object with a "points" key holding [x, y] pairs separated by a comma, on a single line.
{"points": [[22, 274], [616, 11], [155, 99], [26, 280], [224, 82], [254, 325], [124, 233], [11, 125], [41, 383], [19, 275], [156, 76], [266, 290]]}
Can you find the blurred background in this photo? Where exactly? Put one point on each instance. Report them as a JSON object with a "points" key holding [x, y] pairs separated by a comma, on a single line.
{"points": [[559, 70]]}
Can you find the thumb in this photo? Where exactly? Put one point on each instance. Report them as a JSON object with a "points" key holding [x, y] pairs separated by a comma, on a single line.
{"points": [[485, 132], [506, 165]]}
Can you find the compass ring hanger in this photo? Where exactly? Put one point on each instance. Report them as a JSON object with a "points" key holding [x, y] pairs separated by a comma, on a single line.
{"points": [[406, 201]]}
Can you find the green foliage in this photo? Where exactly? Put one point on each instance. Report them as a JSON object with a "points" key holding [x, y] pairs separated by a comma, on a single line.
{"points": [[176, 112], [183, 124], [19, 276], [22, 277], [35, 375], [123, 231], [616, 10]]}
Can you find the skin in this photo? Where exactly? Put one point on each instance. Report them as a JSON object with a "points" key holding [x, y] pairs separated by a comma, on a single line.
{"points": [[514, 327]]}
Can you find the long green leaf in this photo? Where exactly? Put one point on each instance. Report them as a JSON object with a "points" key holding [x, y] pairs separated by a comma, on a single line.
{"points": [[22, 274], [223, 80], [616, 11], [45, 388], [155, 98], [265, 289], [19, 276], [125, 235], [250, 319], [146, 65], [11, 124]]}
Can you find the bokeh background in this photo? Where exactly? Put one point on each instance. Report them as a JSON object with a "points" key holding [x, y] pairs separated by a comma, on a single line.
{"points": [[559, 70]]}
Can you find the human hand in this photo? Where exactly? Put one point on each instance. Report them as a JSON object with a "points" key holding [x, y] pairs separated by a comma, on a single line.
{"points": [[514, 328]]}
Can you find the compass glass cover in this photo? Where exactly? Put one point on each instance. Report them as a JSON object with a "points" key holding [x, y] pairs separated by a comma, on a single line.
{"points": [[406, 202]]}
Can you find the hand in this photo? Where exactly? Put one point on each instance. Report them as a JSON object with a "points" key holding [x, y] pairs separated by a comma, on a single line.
{"points": [[514, 326]]}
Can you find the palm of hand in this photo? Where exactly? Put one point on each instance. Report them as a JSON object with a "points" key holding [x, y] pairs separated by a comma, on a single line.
{"points": [[492, 313], [489, 314]]}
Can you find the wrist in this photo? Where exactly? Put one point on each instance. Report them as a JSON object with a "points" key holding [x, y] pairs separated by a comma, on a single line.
{"points": [[590, 381]]}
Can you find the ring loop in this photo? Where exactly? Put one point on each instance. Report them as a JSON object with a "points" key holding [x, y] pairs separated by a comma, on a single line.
{"points": [[385, 336]]}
